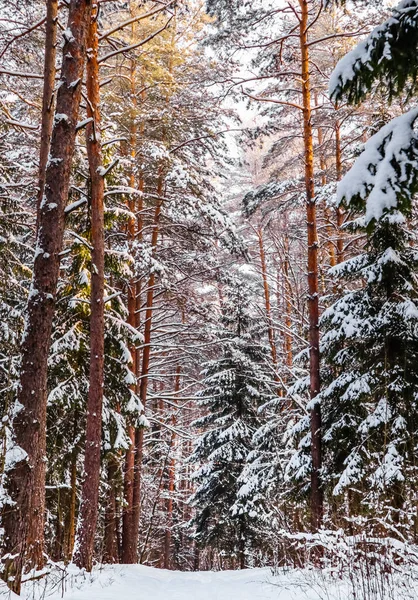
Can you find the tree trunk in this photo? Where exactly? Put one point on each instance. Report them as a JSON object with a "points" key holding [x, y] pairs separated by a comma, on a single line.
{"points": [[241, 551], [288, 304], [313, 305], [24, 523], [339, 171], [327, 215], [72, 510], [110, 551], [129, 552], [57, 552], [48, 94], [267, 302], [90, 491], [129, 542], [139, 434], [171, 482]]}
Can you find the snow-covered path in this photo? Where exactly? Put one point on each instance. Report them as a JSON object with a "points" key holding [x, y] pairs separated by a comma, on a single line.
{"points": [[136, 582]]}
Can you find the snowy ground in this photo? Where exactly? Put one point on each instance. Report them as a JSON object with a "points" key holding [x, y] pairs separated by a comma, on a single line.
{"points": [[136, 582]]}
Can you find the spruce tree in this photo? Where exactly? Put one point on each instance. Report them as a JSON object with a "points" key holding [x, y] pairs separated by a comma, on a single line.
{"points": [[263, 494], [235, 384], [370, 341], [371, 331], [387, 58]]}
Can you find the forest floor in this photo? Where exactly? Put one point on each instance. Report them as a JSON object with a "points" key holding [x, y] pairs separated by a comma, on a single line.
{"points": [[137, 582]]}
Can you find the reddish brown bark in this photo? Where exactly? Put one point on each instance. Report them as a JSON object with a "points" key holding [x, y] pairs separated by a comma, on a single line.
{"points": [[327, 213], [267, 302], [130, 532], [129, 551], [47, 119], [23, 520], [339, 171], [90, 491], [57, 550], [146, 353], [313, 306], [171, 482], [129, 541], [71, 513], [110, 549], [288, 305]]}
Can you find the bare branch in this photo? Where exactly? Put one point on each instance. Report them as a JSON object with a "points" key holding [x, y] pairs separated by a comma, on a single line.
{"points": [[273, 101], [137, 44], [337, 35], [20, 35], [135, 20]]}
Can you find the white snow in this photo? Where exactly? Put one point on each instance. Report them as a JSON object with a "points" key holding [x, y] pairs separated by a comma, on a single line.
{"points": [[135, 582], [347, 66], [14, 454], [75, 205], [60, 117], [83, 123], [373, 175], [368, 49], [68, 36]]}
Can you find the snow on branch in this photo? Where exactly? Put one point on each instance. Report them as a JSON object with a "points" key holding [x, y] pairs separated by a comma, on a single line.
{"points": [[272, 190], [386, 173], [387, 55]]}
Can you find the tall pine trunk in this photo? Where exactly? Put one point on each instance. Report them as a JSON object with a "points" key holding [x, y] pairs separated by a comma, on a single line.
{"points": [[23, 518], [288, 304], [47, 119], [129, 543], [110, 545], [69, 548], [171, 480], [327, 212], [339, 172], [313, 304], [267, 303], [90, 491], [146, 354]]}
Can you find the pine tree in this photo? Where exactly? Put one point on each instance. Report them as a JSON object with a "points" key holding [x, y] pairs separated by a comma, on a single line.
{"points": [[234, 385], [24, 525]]}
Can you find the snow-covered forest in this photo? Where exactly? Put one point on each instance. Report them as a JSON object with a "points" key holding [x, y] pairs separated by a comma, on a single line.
{"points": [[209, 288]]}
